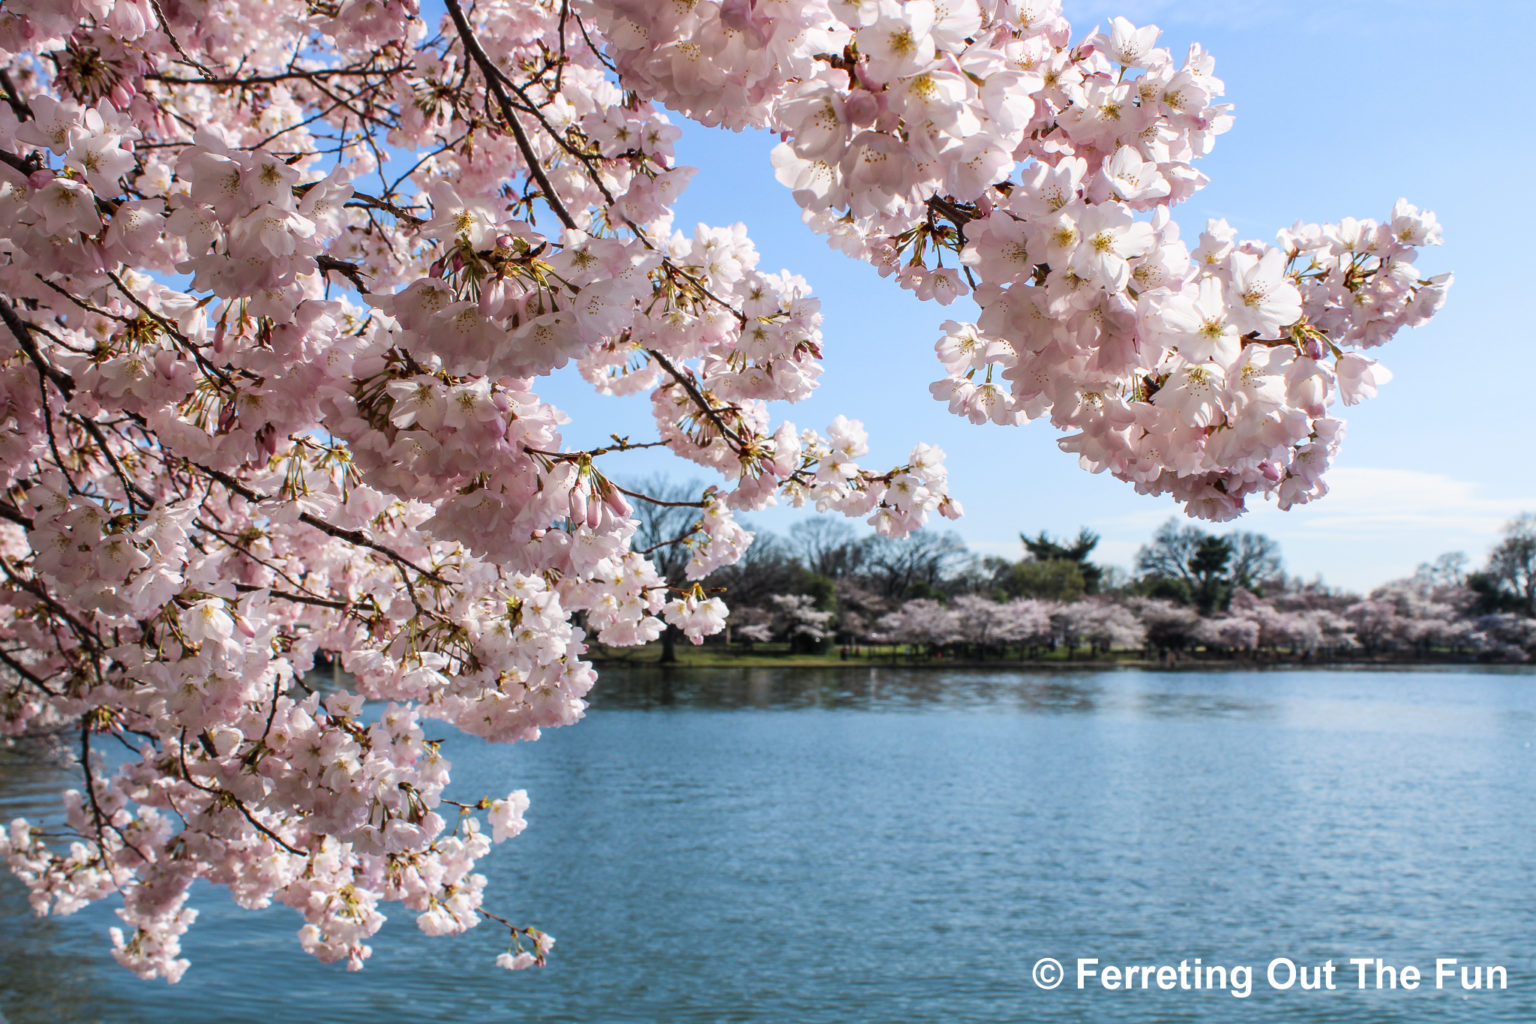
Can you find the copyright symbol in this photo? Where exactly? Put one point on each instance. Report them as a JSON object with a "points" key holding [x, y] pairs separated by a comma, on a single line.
{"points": [[1048, 972]]}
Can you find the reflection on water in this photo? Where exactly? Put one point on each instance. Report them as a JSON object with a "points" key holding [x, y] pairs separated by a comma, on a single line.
{"points": [[1316, 696], [900, 689], [893, 844]]}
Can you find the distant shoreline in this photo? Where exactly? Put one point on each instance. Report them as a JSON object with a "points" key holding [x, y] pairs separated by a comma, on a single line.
{"points": [[712, 658]]}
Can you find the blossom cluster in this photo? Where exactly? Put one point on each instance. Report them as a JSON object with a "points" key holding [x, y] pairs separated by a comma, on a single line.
{"points": [[1406, 616], [281, 285], [970, 148]]}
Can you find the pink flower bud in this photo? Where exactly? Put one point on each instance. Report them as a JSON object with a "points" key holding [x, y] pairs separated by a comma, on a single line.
{"points": [[862, 107], [616, 502]]}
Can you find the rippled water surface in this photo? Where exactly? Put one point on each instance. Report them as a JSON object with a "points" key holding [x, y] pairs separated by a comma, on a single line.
{"points": [[893, 845]]}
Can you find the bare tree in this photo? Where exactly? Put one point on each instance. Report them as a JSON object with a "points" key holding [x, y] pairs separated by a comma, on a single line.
{"points": [[916, 566], [668, 514], [1170, 552], [767, 568], [1255, 559], [1511, 567], [1211, 567], [1449, 570], [826, 546]]}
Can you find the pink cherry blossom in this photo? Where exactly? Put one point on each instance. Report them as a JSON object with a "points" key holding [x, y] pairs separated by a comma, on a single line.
{"points": [[274, 366]]}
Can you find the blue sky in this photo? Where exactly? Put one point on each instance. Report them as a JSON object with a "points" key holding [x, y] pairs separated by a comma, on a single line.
{"points": [[1340, 111]]}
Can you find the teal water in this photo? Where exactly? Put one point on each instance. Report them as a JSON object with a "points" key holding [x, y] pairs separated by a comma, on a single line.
{"points": [[890, 845]]}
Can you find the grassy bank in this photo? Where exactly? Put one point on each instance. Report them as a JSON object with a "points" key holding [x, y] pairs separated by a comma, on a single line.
{"points": [[779, 656]]}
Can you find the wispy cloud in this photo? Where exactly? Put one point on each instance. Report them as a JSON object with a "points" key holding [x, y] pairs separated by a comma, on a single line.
{"points": [[1001, 548], [1374, 525], [1365, 501]]}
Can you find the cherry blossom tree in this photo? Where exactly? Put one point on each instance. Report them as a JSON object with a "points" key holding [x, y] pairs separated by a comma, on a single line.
{"points": [[1027, 622], [749, 625], [1170, 626], [280, 286], [1414, 615], [1505, 636], [1099, 625], [1229, 633], [798, 620], [922, 622], [978, 621]]}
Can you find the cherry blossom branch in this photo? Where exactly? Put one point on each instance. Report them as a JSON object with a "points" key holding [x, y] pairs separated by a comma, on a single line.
{"points": [[81, 631], [223, 795], [102, 821], [13, 97], [15, 515], [350, 536], [252, 81], [22, 332], [493, 80], [26, 674], [685, 380], [664, 503]]}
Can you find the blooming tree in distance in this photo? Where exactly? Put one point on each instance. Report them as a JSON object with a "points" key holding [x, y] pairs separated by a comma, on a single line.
{"points": [[281, 281]]}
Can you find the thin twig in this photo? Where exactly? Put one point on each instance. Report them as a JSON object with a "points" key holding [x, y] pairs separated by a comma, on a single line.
{"points": [[493, 79]]}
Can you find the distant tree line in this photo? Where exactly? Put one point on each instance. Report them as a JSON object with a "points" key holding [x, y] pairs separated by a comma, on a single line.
{"points": [[1192, 593]]}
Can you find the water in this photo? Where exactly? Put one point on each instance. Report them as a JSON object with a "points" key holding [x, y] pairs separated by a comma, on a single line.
{"points": [[893, 845]]}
